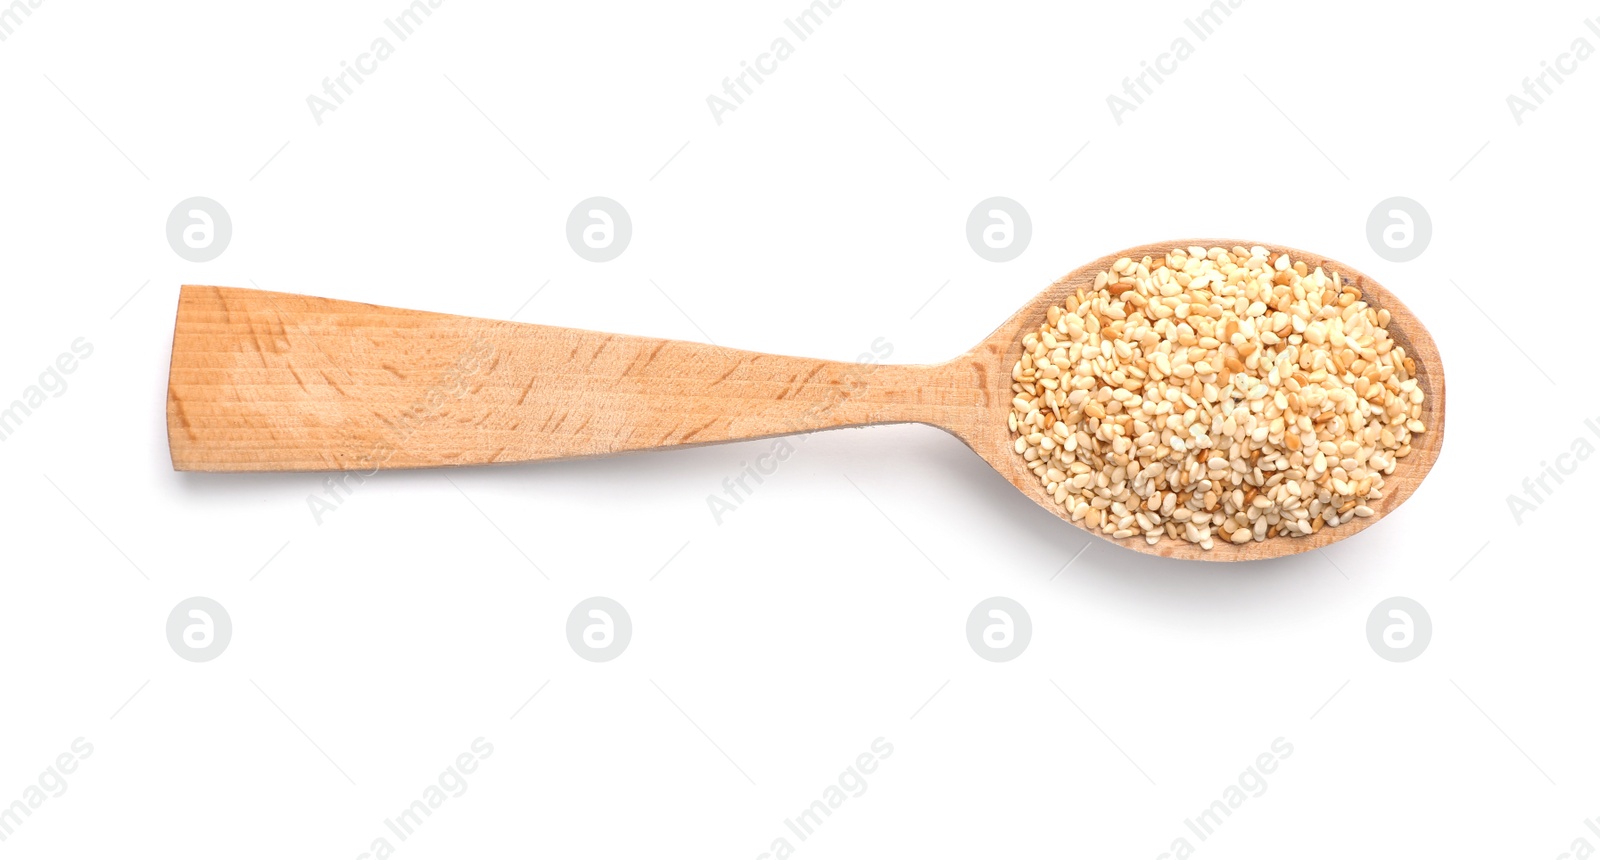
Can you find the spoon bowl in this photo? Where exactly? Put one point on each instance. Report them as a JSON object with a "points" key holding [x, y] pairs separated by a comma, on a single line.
{"points": [[264, 381], [1001, 350]]}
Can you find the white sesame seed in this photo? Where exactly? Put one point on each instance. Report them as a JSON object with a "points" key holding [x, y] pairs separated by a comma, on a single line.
{"points": [[1213, 391]]}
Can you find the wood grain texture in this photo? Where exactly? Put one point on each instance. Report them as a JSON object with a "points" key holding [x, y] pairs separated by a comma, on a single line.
{"points": [[270, 381], [265, 381]]}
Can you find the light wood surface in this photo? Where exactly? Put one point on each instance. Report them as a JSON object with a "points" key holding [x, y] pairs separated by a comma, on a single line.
{"points": [[264, 381]]}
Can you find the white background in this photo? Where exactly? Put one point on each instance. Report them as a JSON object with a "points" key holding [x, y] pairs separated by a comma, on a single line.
{"points": [[775, 647]]}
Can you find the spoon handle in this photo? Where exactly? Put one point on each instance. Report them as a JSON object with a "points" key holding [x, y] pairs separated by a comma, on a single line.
{"points": [[264, 381]]}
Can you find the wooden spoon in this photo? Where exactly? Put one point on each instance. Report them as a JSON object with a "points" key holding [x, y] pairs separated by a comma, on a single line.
{"points": [[267, 381]]}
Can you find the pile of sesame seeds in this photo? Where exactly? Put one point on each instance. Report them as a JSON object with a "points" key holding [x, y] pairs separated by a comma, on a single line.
{"points": [[1210, 393]]}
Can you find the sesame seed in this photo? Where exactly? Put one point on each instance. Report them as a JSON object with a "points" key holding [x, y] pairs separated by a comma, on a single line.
{"points": [[1214, 393]]}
